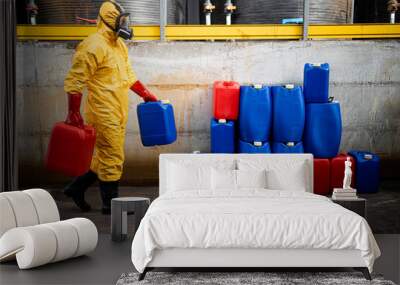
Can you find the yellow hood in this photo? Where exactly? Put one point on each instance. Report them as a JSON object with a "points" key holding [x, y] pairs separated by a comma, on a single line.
{"points": [[108, 13]]}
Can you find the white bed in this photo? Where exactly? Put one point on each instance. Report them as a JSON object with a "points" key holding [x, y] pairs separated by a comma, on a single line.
{"points": [[247, 211]]}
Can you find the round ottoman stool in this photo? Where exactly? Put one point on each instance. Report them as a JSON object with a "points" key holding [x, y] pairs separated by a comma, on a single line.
{"points": [[120, 209]]}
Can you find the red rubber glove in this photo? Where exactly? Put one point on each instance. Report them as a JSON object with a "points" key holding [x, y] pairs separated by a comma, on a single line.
{"points": [[74, 117], [143, 92]]}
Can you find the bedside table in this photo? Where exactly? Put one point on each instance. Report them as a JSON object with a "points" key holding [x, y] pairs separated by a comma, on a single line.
{"points": [[357, 205], [123, 207]]}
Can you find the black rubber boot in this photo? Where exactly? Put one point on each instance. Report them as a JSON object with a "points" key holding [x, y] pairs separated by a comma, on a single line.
{"points": [[77, 188], [108, 191]]}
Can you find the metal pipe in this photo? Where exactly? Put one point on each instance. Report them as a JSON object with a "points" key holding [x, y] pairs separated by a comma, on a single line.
{"points": [[208, 9], [229, 19], [163, 18], [393, 17], [32, 10], [306, 11], [352, 12], [229, 9]]}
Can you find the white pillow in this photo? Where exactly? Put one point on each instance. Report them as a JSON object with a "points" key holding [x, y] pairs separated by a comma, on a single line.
{"points": [[183, 177], [251, 178], [281, 174], [293, 180], [223, 179]]}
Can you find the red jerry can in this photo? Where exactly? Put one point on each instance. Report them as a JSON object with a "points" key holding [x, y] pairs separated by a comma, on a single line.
{"points": [[71, 145], [321, 176], [337, 171], [226, 100]]}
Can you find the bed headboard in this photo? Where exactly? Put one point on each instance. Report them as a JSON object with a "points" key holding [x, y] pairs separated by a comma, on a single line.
{"points": [[212, 159]]}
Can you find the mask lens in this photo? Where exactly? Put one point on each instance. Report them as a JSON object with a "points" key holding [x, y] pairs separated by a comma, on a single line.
{"points": [[124, 22]]}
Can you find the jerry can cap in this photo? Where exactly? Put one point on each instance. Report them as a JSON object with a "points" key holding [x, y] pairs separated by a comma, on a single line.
{"points": [[318, 64], [368, 156], [291, 144], [165, 101], [257, 86], [289, 86], [222, 121], [257, 143]]}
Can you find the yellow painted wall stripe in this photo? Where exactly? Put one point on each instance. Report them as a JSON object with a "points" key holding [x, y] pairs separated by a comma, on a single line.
{"points": [[217, 32]]}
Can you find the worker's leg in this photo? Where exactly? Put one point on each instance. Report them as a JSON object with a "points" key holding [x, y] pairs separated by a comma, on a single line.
{"points": [[77, 188], [108, 162]]}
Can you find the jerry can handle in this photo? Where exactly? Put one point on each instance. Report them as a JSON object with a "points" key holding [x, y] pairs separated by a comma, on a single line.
{"points": [[368, 156], [289, 86]]}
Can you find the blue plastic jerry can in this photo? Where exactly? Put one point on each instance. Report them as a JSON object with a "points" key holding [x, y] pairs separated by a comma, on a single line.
{"points": [[367, 171], [289, 147], [323, 129], [316, 83], [254, 147], [255, 113], [222, 136], [156, 123], [288, 113]]}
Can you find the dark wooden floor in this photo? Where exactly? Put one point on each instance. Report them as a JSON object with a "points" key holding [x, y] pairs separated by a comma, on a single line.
{"points": [[110, 259], [383, 207]]}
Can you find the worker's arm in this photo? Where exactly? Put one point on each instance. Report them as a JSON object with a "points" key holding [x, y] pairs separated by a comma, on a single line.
{"points": [[74, 115], [393, 6], [143, 92], [84, 65]]}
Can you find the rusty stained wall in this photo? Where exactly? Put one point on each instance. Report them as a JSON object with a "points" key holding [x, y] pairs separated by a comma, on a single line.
{"points": [[365, 78]]}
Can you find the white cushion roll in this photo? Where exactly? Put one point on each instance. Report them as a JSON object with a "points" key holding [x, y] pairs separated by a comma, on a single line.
{"points": [[67, 240], [45, 205], [33, 246], [7, 218], [87, 235], [23, 207]]}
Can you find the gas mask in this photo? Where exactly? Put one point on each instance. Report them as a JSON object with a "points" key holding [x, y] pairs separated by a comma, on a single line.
{"points": [[121, 27]]}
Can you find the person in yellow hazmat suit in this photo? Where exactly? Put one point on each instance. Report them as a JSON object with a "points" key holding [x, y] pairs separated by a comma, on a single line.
{"points": [[101, 64]]}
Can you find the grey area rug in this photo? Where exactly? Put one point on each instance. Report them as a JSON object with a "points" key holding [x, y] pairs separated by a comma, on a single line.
{"points": [[236, 278]]}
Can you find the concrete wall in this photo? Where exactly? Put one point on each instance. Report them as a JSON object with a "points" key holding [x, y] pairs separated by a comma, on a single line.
{"points": [[365, 78]]}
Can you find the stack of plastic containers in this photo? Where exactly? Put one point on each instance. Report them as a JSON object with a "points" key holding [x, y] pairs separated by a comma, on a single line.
{"points": [[255, 119], [323, 124], [225, 110], [288, 119]]}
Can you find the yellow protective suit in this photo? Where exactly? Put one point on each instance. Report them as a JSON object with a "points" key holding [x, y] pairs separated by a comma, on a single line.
{"points": [[102, 65]]}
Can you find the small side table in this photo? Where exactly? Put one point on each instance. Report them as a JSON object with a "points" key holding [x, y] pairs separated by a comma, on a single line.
{"points": [[120, 209], [357, 205]]}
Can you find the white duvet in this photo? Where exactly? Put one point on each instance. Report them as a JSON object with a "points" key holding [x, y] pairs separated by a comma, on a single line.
{"points": [[250, 219]]}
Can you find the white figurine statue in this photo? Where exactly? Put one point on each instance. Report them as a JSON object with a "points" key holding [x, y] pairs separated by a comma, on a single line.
{"points": [[347, 174]]}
